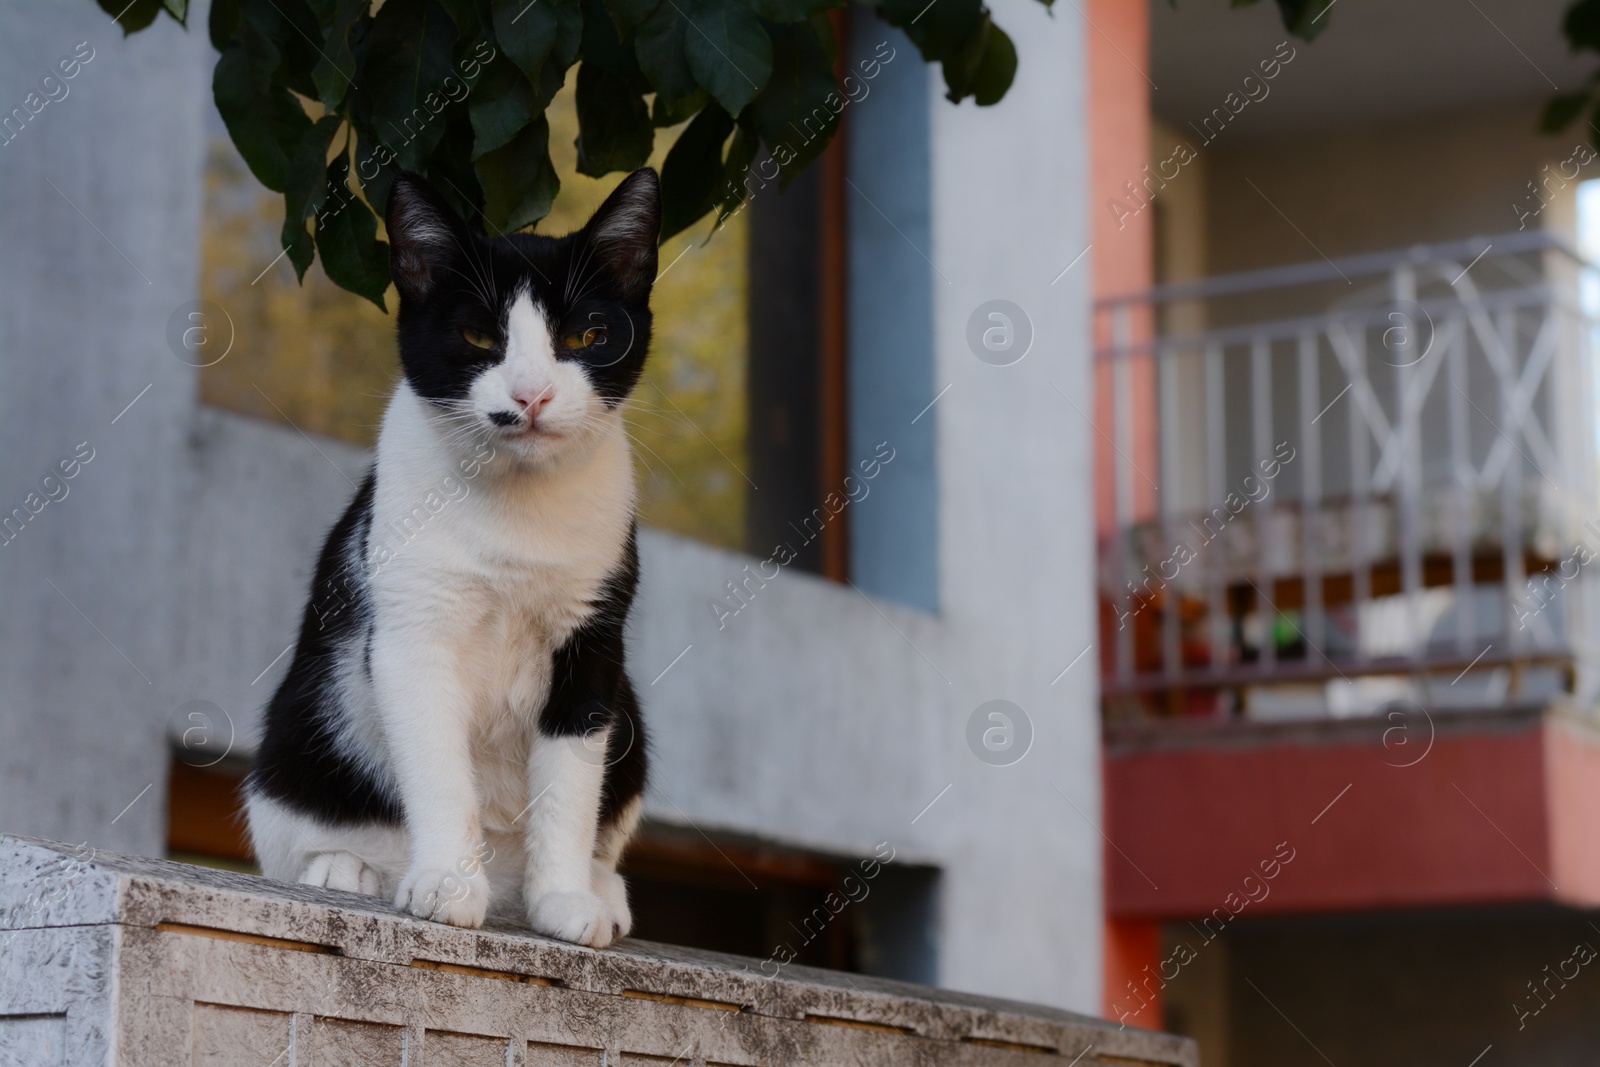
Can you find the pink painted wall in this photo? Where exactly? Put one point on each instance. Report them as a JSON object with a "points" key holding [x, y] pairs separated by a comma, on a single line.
{"points": [[1572, 806], [1121, 254]]}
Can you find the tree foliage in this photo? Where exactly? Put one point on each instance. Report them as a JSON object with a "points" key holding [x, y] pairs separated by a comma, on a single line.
{"points": [[1581, 25], [1303, 18], [325, 98]]}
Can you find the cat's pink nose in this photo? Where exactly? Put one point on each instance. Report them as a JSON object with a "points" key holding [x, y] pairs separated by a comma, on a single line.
{"points": [[533, 401]]}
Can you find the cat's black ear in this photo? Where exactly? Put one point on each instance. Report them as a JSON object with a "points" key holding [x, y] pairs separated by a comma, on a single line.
{"points": [[623, 233], [425, 234]]}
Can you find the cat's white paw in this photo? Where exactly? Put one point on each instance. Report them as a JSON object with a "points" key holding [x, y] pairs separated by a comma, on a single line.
{"points": [[577, 916], [341, 870], [445, 895], [609, 887]]}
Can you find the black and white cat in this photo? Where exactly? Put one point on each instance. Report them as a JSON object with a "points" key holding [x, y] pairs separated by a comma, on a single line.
{"points": [[457, 729]]}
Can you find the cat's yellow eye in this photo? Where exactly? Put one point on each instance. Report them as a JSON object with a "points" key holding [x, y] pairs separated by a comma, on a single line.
{"points": [[476, 339], [594, 335]]}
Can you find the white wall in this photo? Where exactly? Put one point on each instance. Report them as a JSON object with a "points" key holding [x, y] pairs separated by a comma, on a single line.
{"points": [[99, 232], [814, 716], [1017, 548]]}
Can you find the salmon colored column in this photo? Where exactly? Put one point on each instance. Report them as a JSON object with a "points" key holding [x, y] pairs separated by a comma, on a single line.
{"points": [[1133, 963], [1117, 42], [1117, 37]]}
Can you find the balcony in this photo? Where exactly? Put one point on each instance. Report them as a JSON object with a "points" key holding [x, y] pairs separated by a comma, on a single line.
{"points": [[1331, 486]]}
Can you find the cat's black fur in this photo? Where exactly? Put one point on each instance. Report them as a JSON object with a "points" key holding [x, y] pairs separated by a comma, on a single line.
{"points": [[580, 283]]}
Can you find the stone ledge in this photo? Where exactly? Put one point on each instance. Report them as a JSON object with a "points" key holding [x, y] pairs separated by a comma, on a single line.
{"points": [[117, 959]]}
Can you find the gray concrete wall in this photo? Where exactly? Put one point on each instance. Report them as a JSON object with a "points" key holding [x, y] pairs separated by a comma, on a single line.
{"points": [[99, 227], [263, 498], [815, 716]]}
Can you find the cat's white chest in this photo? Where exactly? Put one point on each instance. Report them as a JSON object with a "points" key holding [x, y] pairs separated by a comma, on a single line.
{"points": [[535, 609], [503, 581], [494, 583]]}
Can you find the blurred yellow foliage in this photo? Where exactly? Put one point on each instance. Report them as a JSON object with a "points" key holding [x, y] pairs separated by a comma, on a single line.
{"points": [[315, 355]]}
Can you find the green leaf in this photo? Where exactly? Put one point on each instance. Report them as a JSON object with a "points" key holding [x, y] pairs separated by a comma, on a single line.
{"points": [[614, 131], [691, 177], [519, 181], [132, 17], [372, 171], [1560, 111], [306, 190], [1582, 25], [941, 30], [629, 15], [450, 168], [728, 51], [501, 103], [957, 35], [408, 59], [659, 46], [532, 32], [798, 111], [551, 83], [293, 29], [347, 237], [603, 44], [664, 112], [977, 56], [335, 71], [791, 10], [221, 22], [178, 9], [822, 26], [1304, 18], [265, 121], [470, 18], [741, 153], [996, 69], [983, 68]]}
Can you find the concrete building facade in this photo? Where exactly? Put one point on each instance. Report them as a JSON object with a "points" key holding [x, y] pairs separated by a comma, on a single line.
{"points": [[823, 716]]}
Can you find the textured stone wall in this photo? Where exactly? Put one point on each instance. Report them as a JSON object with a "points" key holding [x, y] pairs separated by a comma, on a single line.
{"points": [[119, 960]]}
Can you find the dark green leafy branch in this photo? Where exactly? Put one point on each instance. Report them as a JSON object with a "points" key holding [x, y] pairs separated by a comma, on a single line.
{"points": [[1581, 25], [1302, 18], [457, 90]]}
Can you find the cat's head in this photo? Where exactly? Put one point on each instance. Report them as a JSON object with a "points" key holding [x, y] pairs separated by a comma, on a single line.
{"points": [[528, 341]]}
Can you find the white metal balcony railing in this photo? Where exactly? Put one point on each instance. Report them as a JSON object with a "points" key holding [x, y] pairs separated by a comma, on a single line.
{"points": [[1379, 465]]}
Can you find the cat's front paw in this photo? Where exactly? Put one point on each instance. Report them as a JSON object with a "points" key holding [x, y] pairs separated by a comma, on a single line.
{"points": [[578, 916], [610, 887], [445, 895]]}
